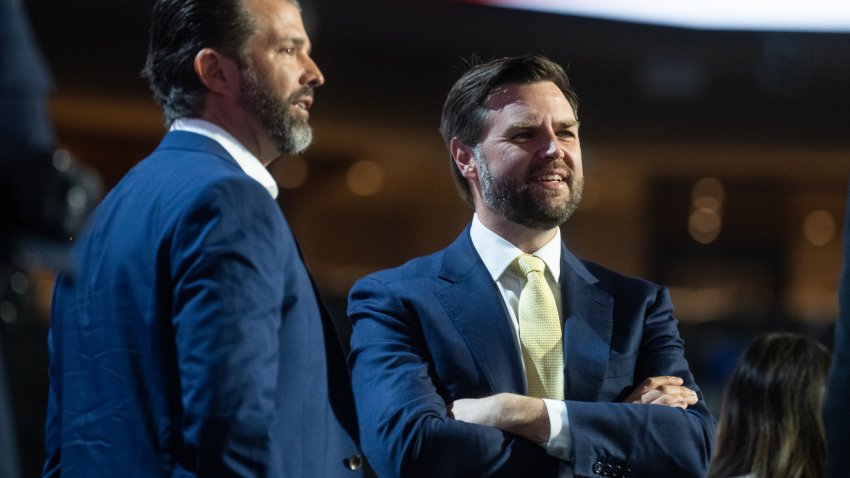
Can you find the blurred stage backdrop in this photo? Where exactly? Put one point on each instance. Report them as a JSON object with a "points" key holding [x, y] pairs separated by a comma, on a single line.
{"points": [[717, 154]]}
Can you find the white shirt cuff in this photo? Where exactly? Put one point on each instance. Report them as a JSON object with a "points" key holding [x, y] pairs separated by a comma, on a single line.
{"points": [[560, 442]]}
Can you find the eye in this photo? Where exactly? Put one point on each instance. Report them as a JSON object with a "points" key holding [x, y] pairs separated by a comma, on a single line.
{"points": [[287, 50], [522, 135], [566, 134]]}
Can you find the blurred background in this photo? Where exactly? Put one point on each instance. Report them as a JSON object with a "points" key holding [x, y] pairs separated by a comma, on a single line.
{"points": [[717, 158]]}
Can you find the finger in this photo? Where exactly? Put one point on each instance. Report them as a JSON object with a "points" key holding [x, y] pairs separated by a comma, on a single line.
{"points": [[670, 401], [656, 382], [668, 380], [686, 394], [675, 389], [651, 396]]}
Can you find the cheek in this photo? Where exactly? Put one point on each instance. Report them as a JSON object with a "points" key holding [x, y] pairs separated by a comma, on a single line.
{"points": [[574, 158], [508, 159], [282, 85], [519, 170], [282, 80]]}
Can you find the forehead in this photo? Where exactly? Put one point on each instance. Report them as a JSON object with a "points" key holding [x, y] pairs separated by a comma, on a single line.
{"points": [[528, 102], [277, 20]]}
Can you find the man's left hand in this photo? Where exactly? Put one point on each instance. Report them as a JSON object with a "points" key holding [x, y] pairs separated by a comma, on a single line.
{"points": [[663, 390]]}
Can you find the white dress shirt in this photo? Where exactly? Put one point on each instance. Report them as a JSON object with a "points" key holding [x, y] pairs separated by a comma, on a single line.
{"points": [[497, 255], [247, 161]]}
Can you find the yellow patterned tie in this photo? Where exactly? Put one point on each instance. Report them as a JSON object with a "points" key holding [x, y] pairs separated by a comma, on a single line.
{"points": [[540, 332]]}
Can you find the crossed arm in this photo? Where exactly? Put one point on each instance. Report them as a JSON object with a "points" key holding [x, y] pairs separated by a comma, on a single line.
{"points": [[405, 369], [528, 417]]}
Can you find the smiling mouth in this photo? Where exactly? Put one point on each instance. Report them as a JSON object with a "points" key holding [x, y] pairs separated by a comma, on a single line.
{"points": [[551, 182], [303, 103], [553, 177]]}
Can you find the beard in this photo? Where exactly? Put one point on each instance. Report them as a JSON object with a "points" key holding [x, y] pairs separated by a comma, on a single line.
{"points": [[291, 134], [512, 200]]}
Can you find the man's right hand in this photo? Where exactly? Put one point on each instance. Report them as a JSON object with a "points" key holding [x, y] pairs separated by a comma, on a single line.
{"points": [[517, 414]]}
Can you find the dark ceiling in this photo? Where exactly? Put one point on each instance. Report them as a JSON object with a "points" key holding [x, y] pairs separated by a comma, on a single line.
{"points": [[399, 57]]}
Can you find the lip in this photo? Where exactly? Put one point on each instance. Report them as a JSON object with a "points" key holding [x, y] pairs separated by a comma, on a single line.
{"points": [[552, 179], [303, 103], [549, 176]]}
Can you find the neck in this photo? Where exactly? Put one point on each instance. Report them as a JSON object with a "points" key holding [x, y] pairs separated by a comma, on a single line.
{"points": [[245, 130], [524, 238]]}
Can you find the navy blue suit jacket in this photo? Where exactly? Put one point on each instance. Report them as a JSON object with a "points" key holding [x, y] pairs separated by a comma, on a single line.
{"points": [[436, 330], [190, 341], [837, 407]]}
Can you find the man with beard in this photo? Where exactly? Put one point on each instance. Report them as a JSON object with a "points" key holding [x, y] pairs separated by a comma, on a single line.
{"points": [[504, 354], [190, 341]]}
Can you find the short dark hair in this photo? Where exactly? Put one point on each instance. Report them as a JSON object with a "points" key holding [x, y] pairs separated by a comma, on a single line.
{"points": [[770, 418], [464, 113], [179, 30]]}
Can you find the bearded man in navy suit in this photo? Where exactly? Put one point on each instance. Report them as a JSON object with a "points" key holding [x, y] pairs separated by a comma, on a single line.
{"points": [[190, 340], [439, 364]]}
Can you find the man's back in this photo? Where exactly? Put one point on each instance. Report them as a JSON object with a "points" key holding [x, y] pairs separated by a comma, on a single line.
{"points": [[184, 340]]}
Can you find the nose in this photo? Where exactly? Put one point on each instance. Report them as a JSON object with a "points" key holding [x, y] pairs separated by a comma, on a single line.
{"points": [[312, 75], [552, 149]]}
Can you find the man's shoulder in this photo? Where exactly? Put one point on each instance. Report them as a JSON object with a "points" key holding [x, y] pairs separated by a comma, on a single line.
{"points": [[418, 269], [615, 281], [433, 265], [188, 154], [180, 184], [185, 164]]}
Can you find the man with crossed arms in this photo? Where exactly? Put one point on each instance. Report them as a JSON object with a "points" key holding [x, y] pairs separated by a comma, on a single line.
{"points": [[451, 374]]}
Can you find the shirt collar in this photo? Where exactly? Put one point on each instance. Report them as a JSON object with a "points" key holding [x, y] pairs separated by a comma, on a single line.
{"points": [[246, 161], [498, 254]]}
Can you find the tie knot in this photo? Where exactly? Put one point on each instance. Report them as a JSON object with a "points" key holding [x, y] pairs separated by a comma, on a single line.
{"points": [[528, 263]]}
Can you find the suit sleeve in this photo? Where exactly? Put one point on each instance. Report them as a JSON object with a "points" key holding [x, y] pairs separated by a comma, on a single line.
{"points": [[404, 424], [836, 415], [655, 440], [225, 266]]}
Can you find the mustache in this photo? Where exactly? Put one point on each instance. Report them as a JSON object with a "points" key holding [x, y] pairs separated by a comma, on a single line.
{"points": [[305, 90], [555, 165]]}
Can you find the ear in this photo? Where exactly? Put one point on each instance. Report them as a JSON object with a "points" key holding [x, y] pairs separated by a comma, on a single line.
{"points": [[218, 73], [464, 158]]}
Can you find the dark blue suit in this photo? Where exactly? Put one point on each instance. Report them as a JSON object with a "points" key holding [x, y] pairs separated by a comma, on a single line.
{"points": [[436, 330], [190, 341], [837, 407]]}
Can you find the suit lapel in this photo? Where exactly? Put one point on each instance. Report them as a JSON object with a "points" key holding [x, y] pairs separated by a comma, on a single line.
{"points": [[588, 323], [473, 303]]}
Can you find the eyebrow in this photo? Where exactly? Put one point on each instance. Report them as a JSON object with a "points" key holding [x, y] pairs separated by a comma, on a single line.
{"points": [[530, 124], [299, 42]]}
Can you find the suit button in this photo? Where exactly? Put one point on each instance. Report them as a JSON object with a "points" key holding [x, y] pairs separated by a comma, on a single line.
{"points": [[354, 462], [597, 468]]}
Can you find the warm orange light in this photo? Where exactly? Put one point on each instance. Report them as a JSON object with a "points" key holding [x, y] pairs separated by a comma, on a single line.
{"points": [[365, 178], [819, 228]]}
